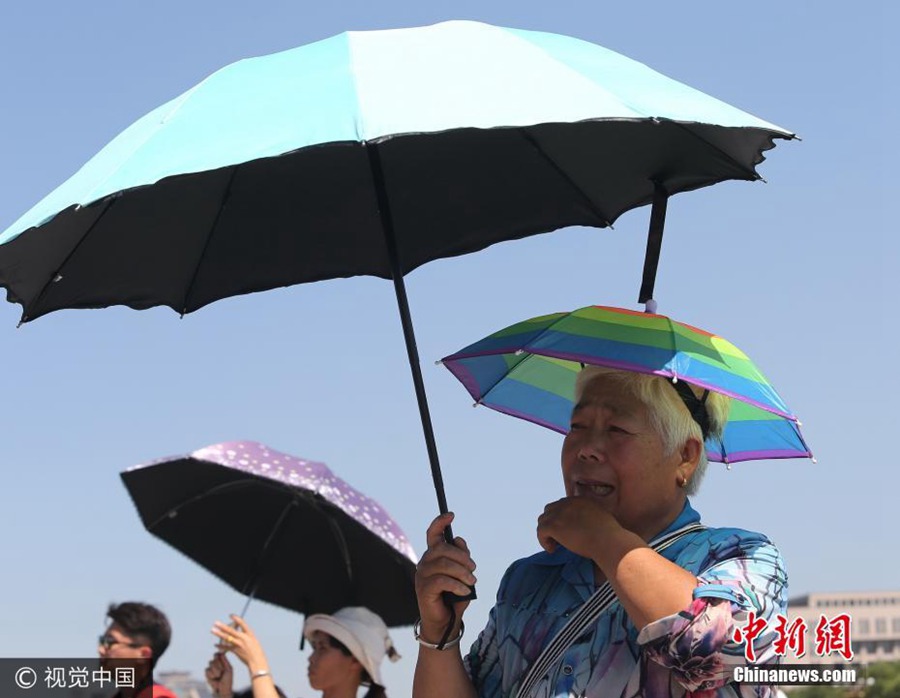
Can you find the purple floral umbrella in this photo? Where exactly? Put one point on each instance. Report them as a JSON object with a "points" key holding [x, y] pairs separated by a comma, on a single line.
{"points": [[278, 528]]}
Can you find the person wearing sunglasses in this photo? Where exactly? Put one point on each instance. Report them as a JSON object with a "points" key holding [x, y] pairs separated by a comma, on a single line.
{"points": [[136, 637]]}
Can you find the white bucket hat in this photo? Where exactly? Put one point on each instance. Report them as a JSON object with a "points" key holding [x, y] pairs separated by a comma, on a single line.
{"points": [[360, 631]]}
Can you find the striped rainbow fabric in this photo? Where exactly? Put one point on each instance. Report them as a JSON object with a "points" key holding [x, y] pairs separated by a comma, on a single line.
{"points": [[528, 370]]}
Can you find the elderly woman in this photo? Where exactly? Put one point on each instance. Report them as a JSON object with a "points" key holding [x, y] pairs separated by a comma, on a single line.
{"points": [[677, 623]]}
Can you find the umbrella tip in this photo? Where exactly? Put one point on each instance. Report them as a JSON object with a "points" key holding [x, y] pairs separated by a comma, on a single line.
{"points": [[439, 362], [650, 306]]}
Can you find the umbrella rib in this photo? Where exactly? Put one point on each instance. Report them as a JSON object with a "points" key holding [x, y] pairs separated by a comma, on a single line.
{"points": [[57, 275], [316, 501], [565, 176], [342, 542], [261, 558], [225, 197], [749, 171], [261, 482], [508, 373], [528, 354]]}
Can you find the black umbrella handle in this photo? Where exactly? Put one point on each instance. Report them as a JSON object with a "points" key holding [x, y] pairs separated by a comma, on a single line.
{"points": [[409, 336], [449, 597]]}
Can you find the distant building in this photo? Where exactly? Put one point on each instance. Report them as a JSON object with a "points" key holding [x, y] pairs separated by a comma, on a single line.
{"points": [[183, 684], [874, 624]]}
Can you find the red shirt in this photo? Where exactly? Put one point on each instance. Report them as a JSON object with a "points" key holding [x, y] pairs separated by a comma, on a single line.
{"points": [[157, 690]]}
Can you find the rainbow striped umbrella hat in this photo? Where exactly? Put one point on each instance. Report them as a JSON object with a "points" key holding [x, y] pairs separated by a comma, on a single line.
{"points": [[528, 370]]}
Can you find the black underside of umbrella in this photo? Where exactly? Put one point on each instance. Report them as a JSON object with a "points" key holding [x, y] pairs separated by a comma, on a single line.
{"points": [[190, 240], [280, 543]]}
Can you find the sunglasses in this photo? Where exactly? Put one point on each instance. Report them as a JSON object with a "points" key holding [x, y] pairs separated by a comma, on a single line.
{"points": [[108, 641]]}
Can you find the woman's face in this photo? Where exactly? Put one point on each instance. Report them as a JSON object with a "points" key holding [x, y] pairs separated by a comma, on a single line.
{"points": [[613, 455], [329, 667]]}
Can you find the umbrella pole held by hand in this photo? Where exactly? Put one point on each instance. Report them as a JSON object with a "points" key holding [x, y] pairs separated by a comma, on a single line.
{"points": [[224, 646], [654, 241], [250, 596], [409, 336]]}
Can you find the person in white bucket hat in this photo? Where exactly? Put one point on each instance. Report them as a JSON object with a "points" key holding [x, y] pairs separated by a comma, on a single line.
{"points": [[348, 647]]}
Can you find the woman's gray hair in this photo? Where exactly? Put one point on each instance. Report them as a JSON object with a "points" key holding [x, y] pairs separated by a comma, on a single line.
{"points": [[668, 414]]}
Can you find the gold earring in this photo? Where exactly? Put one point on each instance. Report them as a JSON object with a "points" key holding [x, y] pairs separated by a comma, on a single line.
{"points": [[682, 481]]}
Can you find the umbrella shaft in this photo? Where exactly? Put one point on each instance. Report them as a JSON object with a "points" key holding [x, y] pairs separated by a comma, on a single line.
{"points": [[409, 336], [654, 241]]}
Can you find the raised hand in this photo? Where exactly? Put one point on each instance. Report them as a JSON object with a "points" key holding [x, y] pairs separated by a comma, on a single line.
{"points": [[577, 523], [240, 640], [220, 676]]}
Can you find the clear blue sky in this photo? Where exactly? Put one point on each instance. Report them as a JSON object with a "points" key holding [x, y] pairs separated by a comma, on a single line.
{"points": [[795, 272]]}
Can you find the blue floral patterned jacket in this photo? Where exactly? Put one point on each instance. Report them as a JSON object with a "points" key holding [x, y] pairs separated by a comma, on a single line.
{"points": [[691, 653]]}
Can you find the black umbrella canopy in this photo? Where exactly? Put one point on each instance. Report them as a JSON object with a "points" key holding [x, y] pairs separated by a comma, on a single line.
{"points": [[315, 214], [292, 533]]}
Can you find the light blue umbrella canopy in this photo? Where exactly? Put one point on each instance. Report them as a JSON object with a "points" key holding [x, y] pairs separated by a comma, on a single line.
{"points": [[368, 86]]}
